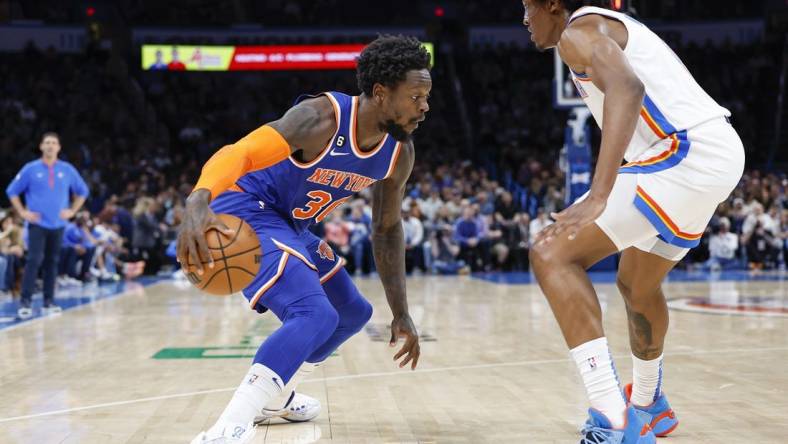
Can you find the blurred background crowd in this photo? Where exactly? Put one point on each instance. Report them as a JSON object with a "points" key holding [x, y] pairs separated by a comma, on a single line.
{"points": [[480, 190]]}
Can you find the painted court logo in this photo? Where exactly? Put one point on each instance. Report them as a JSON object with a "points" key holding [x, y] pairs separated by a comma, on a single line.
{"points": [[733, 305]]}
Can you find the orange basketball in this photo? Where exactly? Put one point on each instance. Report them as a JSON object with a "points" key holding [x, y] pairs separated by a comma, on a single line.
{"points": [[236, 259]]}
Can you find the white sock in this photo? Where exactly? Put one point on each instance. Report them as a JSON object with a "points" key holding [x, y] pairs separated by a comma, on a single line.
{"points": [[601, 380], [279, 402], [260, 385], [646, 381]]}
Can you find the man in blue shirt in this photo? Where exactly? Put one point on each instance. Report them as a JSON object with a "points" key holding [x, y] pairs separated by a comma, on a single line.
{"points": [[47, 185], [468, 234]]}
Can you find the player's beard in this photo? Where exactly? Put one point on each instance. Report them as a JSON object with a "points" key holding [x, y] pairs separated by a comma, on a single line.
{"points": [[396, 131]]}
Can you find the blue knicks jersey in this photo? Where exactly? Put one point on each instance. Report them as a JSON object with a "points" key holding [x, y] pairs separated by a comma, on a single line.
{"points": [[308, 192]]}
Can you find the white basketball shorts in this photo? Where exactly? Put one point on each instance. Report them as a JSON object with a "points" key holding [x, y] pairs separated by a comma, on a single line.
{"points": [[662, 202]]}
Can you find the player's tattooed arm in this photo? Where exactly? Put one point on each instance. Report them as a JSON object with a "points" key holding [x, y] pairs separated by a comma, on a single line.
{"points": [[308, 126], [388, 247]]}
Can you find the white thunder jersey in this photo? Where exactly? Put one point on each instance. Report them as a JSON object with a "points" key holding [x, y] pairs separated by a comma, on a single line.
{"points": [[684, 156], [674, 101]]}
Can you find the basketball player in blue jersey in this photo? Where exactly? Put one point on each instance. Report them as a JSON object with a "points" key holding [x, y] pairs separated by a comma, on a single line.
{"points": [[682, 159], [291, 173]]}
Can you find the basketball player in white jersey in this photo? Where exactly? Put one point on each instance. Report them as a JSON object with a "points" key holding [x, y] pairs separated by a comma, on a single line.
{"points": [[682, 159]]}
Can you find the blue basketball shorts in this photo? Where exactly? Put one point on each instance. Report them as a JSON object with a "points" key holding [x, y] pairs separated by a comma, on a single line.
{"points": [[308, 260]]}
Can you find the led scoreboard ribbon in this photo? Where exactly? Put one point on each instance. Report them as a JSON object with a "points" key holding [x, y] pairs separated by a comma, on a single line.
{"points": [[252, 58]]}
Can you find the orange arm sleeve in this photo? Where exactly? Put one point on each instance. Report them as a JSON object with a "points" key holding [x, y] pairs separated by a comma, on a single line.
{"points": [[260, 149]]}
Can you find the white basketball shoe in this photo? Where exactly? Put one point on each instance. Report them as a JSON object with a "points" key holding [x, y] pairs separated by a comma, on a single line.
{"points": [[228, 434], [299, 408]]}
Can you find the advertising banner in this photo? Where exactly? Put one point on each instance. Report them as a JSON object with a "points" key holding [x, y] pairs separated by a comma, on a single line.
{"points": [[252, 58]]}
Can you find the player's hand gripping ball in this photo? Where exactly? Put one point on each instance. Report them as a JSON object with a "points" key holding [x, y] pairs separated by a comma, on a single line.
{"points": [[236, 258]]}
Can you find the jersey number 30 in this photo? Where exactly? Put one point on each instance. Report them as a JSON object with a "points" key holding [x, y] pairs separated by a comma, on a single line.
{"points": [[319, 207]]}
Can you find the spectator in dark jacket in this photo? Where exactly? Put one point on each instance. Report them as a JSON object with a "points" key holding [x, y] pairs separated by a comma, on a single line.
{"points": [[467, 234], [147, 234]]}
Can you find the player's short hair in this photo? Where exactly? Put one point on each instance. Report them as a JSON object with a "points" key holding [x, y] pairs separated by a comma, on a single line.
{"points": [[572, 5], [387, 59], [50, 134]]}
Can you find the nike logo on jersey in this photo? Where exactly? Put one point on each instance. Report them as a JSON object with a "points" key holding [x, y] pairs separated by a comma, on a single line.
{"points": [[340, 141]]}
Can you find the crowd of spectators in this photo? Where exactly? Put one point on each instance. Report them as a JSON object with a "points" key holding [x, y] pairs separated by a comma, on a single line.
{"points": [[457, 220], [139, 138], [347, 12], [750, 229], [107, 246]]}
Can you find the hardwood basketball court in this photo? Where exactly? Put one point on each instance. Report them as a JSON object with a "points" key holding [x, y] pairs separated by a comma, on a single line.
{"points": [[157, 364]]}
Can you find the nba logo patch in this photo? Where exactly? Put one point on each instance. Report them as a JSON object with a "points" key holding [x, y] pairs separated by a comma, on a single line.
{"points": [[580, 89], [325, 251], [592, 363]]}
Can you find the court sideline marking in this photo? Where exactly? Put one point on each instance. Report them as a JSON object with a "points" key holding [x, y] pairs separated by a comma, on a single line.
{"points": [[375, 375]]}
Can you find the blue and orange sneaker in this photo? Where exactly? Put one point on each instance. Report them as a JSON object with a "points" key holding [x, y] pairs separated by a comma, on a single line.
{"points": [[659, 416], [598, 430]]}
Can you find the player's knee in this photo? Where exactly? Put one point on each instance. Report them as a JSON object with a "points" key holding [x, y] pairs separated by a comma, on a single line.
{"points": [[356, 316], [637, 299], [624, 287], [367, 311], [328, 319], [544, 254], [316, 314]]}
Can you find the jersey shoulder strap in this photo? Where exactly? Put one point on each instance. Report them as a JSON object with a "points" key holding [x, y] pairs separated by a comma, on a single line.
{"points": [[342, 103]]}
